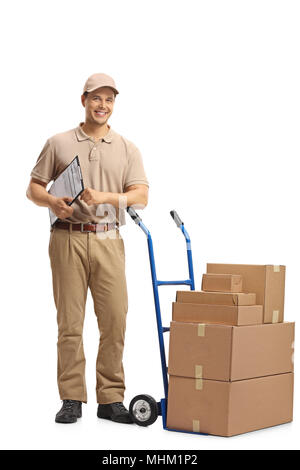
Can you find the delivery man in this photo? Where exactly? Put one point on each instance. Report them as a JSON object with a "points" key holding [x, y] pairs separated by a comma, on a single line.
{"points": [[86, 249]]}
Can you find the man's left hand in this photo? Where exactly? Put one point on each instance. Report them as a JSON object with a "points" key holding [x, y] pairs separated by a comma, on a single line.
{"points": [[91, 196]]}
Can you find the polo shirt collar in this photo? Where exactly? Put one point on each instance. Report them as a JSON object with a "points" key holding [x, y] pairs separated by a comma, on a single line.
{"points": [[81, 135]]}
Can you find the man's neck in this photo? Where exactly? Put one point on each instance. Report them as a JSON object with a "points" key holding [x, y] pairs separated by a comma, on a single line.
{"points": [[95, 131]]}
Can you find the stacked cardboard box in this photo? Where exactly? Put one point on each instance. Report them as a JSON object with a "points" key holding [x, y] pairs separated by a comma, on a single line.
{"points": [[267, 281], [230, 356]]}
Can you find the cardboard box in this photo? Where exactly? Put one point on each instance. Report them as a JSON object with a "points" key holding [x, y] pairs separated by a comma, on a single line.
{"points": [[267, 281], [222, 283], [229, 408], [224, 314], [230, 353], [215, 298]]}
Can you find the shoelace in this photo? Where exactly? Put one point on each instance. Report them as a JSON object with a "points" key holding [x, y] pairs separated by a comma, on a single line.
{"points": [[120, 406], [68, 404]]}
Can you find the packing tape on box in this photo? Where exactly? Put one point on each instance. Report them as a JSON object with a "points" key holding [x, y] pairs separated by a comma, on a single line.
{"points": [[201, 329], [198, 371], [275, 317], [276, 269], [198, 376], [196, 425], [199, 384]]}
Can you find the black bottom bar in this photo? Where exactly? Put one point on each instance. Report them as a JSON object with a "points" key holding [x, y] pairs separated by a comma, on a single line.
{"points": [[97, 458]]}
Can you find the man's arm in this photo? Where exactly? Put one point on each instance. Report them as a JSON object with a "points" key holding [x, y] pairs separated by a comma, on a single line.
{"points": [[136, 194], [38, 194]]}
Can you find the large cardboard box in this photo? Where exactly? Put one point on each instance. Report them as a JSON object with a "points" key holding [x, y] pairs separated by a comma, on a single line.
{"points": [[267, 281], [222, 282], [225, 314], [215, 298], [229, 408], [230, 353]]}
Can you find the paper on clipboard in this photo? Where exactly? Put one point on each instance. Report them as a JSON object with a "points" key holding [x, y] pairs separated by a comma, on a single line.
{"points": [[68, 184]]}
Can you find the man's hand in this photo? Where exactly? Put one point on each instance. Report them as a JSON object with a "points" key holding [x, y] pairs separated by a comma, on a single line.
{"points": [[91, 196], [59, 206]]}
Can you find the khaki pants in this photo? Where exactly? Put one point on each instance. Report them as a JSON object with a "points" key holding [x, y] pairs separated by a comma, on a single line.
{"points": [[78, 261]]}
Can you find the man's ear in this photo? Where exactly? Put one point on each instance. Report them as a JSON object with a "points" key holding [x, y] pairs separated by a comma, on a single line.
{"points": [[83, 100]]}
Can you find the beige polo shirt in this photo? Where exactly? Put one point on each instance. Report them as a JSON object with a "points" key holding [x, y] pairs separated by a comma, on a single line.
{"points": [[111, 165]]}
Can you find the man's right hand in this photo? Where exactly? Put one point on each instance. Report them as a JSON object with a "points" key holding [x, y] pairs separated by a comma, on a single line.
{"points": [[38, 194], [60, 208]]}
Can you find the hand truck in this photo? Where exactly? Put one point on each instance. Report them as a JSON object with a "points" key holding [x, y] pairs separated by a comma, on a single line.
{"points": [[144, 409]]}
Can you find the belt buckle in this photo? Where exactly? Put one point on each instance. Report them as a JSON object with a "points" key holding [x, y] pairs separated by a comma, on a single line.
{"points": [[82, 229]]}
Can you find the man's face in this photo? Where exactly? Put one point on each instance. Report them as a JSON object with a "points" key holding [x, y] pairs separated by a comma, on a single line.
{"points": [[98, 105]]}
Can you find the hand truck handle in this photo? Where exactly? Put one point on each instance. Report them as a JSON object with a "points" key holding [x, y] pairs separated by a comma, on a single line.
{"points": [[176, 218], [135, 217]]}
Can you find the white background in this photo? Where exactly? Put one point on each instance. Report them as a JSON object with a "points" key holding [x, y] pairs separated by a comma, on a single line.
{"points": [[209, 92]]}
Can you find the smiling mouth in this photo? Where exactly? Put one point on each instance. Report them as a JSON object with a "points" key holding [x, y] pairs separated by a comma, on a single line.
{"points": [[100, 113]]}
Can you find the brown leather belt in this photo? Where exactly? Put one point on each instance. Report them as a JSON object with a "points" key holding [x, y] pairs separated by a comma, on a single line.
{"points": [[88, 227]]}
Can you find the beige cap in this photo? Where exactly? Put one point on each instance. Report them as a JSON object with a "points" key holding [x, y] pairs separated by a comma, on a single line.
{"points": [[98, 80]]}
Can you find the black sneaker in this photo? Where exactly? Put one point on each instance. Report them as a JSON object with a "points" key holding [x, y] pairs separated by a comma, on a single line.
{"points": [[69, 412], [115, 412]]}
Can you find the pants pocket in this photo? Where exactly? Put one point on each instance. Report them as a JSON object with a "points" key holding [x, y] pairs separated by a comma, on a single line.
{"points": [[121, 247], [50, 242]]}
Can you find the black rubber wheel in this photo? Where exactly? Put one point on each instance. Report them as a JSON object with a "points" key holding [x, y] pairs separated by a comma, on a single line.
{"points": [[144, 410]]}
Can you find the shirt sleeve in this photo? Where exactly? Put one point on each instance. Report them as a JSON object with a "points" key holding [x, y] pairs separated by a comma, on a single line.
{"points": [[44, 169], [135, 173]]}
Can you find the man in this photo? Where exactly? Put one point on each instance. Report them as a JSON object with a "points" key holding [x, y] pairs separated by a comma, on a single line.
{"points": [[86, 249]]}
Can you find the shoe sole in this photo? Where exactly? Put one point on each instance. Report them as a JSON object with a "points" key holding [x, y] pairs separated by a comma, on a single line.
{"points": [[66, 422], [74, 420], [125, 421]]}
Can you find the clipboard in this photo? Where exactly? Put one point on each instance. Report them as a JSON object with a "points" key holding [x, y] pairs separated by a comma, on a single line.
{"points": [[68, 184]]}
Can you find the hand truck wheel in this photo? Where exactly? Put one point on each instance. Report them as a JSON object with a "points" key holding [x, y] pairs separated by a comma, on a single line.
{"points": [[144, 410]]}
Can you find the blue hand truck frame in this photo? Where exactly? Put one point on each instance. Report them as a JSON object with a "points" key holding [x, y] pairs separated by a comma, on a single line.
{"points": [[144, 409]]}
